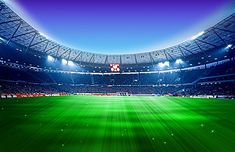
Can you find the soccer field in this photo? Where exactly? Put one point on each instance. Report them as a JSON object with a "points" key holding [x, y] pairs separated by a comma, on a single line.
{"points": [[109, 124]]}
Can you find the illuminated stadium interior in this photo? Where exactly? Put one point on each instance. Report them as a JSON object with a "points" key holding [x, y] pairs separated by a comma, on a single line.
{"points": [[57, 98]]}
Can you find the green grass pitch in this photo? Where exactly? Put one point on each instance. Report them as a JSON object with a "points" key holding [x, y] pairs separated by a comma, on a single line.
{"points": [[122, 124]]}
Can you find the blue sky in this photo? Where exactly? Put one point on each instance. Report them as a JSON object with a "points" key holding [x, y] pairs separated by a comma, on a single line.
{"points": [[122, 26]]}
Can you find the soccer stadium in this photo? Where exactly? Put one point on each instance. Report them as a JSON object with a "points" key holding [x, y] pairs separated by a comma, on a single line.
{"points": [[117, 76]]}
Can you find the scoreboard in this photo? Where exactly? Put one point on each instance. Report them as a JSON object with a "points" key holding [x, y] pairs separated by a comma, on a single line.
{"points": [[114, 67]]}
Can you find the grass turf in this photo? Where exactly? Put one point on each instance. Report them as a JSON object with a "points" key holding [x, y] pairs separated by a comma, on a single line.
{"points": [[89, 123]]}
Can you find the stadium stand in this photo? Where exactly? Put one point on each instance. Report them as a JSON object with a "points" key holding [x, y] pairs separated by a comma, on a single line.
{"points": [[215, 80], [34, 64]]}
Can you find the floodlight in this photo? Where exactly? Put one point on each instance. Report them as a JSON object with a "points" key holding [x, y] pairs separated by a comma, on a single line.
{"points": [[167, 63], [64, 61], [42, 34], [229, 46], [197, 35], [161, 64], [1, 39], [70, 63], [50, 58], [179, 61]]}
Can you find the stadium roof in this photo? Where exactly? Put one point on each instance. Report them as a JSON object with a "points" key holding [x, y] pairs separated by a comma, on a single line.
{"points": [[14, 29]]}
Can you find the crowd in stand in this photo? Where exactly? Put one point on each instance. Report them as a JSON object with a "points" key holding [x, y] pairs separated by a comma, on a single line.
{"points": [[211, 89], [199, 89], [213, 80], [225, 72]]}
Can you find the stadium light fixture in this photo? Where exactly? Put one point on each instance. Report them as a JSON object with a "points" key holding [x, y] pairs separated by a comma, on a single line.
{"points": [[42, 34], [179, 61], [64, 61], [161, 64], [197, 35], [1, 39], [70, 63], [50, 58], [167, 63], [229, 46]]}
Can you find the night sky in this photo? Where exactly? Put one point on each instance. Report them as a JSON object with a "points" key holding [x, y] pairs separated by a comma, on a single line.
{"points": [[123, 26]]}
